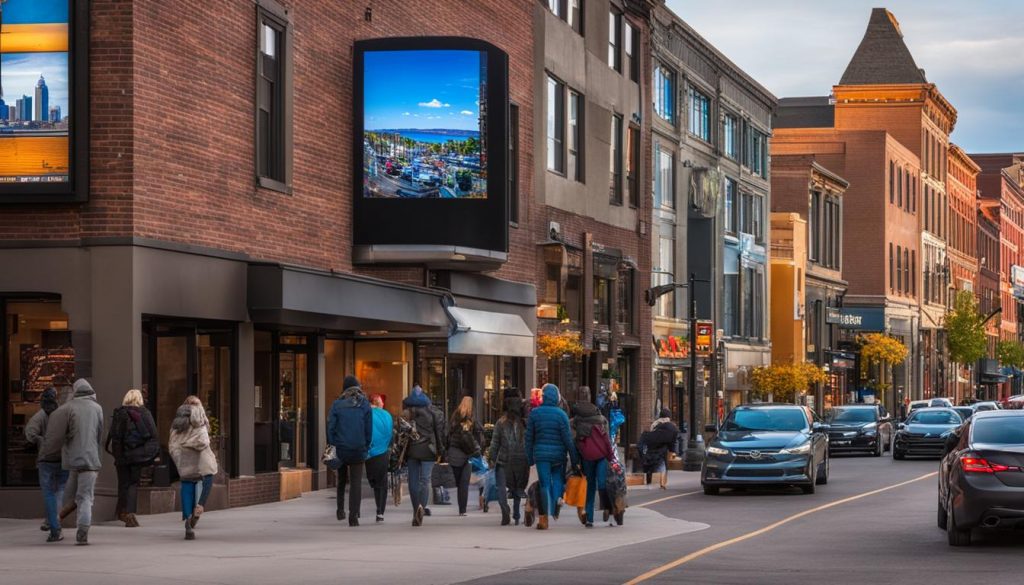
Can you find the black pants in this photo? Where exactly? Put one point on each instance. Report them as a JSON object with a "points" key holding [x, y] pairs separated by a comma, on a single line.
{"points": [[351, 473], [377, 475], [128, 477], [462, 475], [510, 479]]}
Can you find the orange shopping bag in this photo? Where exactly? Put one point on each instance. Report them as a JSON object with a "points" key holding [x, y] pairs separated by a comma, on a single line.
{"points": [[576, 491]]}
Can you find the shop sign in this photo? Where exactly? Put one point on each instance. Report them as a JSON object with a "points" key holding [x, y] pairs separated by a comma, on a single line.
{"points": [[1017, 277], [857, 318], [705, 332], [672, 347]]}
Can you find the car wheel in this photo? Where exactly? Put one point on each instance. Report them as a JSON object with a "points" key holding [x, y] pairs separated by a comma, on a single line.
{"points": [[808, 488], [956, 536], [897, 454], [710, 490], [879, 449], [822, 476], [941, 517]]}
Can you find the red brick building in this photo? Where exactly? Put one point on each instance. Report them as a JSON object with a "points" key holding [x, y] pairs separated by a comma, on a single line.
{"points": [[962, 244], [213, 259]]}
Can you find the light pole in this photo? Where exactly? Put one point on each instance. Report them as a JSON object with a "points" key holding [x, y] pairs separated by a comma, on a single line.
{"points": [[693, 457]]}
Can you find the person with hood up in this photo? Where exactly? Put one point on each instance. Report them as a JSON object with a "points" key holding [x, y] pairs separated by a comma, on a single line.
{"points": [[189, 447], [75, 430], [350, 430], [595, 447], [465, 436], [507, 454], [51, 477], [425, 447], [548, 442], [659, 440], [132, 440], [379, 455]]}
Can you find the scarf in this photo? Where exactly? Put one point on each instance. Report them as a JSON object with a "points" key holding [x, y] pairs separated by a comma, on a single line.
{"points": [[659, 421]]}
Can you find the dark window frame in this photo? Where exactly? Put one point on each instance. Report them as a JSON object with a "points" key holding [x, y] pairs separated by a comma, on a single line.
{"points": [[555, 144], [615, 159], [276, 172], [615, 22], [575, 134], [633, 164], [699, 119], [513, 164]]}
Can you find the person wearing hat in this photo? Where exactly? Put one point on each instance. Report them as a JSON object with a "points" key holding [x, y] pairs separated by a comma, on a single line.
{"points": [[51, 477], [424, 449], [350, 430], [548, 442], [660, 439], [507, 454]]}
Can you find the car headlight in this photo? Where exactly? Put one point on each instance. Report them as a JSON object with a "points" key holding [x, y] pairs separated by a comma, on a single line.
{"points": [[798, 450], [718, 450]]}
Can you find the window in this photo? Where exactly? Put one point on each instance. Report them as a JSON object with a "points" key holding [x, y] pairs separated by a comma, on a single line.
{"points": [[556, 125], [751, 210], [632, 46], [913, 195], [624, 301], [575, 168], [752, 318], [664, 178], [664, 92], [273, 102], [700, 115], [899, 269], [913, 271], [730, 206], [731, 292], [730, 140], [513, 163], [602, 301], [633, 165], [892, 182], [814, 238], [615, 164], [899, 187], [891, 275], [569, 11], [927, 209], [906, 270], [757, 152], [615, 40], [663, 274]]}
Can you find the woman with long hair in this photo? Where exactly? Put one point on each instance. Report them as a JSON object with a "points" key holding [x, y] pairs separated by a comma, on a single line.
{"points": [[465, 436], [133, 442], [508, 455], [190, 449]]}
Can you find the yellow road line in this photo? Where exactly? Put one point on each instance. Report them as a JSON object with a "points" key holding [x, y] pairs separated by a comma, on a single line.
{"points": [[710, 549], [658, 501]]}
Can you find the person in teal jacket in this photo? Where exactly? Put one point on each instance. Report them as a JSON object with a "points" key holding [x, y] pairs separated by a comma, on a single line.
{"points": [[548, 442], [378, 456]]}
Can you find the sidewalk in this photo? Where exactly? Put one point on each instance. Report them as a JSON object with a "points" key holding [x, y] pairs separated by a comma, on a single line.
{"points": [[300, 540]]}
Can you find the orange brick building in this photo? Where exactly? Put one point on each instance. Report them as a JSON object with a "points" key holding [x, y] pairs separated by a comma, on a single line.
{"points": [[962, 243]]}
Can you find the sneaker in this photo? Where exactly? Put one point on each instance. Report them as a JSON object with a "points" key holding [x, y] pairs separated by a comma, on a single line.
{"points": [[55, 537], [426, 511], [340, 515], [189, 534], [417, 516], [133, 521], [380, 518], [82, 536], [589, 524], [45, 527], [196, 513]]}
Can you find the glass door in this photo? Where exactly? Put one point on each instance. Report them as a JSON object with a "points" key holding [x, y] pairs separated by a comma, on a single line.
{"points": [[293, 384]]}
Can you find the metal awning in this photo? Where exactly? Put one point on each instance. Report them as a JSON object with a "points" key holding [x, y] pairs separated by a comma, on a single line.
{"points": [[488, 333]]}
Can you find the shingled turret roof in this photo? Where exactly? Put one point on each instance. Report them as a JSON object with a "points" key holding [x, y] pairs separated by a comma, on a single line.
{"points": [[882, 56]]}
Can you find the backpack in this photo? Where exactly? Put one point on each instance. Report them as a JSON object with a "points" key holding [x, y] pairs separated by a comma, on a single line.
{"points": [[464, 438], [596, 445], [132, 436]]}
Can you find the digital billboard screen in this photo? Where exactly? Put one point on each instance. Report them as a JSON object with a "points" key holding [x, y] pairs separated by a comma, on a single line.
{"points": [[430, 146], [38, 88], [424, 132]]}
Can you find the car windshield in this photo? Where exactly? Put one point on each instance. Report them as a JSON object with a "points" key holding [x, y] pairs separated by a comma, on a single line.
{"points": [[1000, 430], [935, 417], [964, 412], [766, 419], [853, 415]]}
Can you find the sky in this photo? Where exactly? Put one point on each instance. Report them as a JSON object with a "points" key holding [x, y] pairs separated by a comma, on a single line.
{"points": [[21, 71], [972, 51], [421, 89], [33, 11]]}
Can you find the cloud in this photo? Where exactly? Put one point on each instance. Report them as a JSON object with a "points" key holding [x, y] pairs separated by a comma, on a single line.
{"points": [[406, 114], [434, 103], [467, 113], [447, 105]]}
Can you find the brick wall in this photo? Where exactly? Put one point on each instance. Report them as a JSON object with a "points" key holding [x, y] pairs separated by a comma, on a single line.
{"points": [[259, 489]]}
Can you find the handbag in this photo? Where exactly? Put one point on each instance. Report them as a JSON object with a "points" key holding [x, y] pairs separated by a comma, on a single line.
{"points": [[330, 458], [443, 476], [575, 491]]}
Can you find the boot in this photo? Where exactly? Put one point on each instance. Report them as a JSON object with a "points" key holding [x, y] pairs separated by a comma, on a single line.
{"points": [[505, 517], [189, 533], [582, 515], [340, 515], [196, 512], [528, 515], [123, 517], [542, 523], [82, 536], [133, 522]]}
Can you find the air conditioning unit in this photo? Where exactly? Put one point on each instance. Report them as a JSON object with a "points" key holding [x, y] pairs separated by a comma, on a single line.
{"points": [[555, 230]]}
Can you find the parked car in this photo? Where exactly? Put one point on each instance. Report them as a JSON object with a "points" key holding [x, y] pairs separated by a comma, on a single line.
{"points": [[924, 432], [965, 412], [767, 445], [859, 427], [915, 404], [981, 479], [1014, 401], [941, 402], [984, 406]]}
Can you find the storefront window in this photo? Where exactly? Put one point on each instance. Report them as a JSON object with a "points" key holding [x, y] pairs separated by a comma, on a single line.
{"points": [[38, 354], [263, 433], [383, 367], [602, 301]]}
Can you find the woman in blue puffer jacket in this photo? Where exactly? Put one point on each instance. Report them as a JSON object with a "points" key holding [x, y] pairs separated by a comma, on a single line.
{"points": [[548, 441]]}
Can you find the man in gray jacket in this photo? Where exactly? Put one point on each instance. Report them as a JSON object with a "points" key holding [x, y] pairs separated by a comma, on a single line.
{"points": [[51, 477], [75, 430]]}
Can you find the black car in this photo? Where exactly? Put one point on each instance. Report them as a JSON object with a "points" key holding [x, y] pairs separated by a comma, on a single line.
{"points": [[981, 480], [859, 427], [767, 445], [965, 412], [924, 432]]}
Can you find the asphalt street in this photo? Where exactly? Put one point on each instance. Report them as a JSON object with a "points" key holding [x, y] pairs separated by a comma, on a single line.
{"points": [[886, 536]]}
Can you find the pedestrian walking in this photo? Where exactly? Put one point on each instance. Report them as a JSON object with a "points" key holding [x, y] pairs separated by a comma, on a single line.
{"points": [[658, 441], [425, 447], [379, 455], [548, 443], [189, 446], [75, 431], [595, 447], [132, 440], [465, 436], [51, 476], [507, 454], [350, 430]]}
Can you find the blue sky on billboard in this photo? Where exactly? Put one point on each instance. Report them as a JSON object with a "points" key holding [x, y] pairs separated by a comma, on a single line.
{"points": [[21, 72], [423, 89], [35, 11], [970, 50]]}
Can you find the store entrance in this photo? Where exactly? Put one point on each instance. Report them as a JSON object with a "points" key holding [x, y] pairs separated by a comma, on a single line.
{"points": [[283, 427], [461, 378]]}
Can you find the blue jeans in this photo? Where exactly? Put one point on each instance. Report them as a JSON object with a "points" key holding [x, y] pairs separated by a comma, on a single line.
{"points": [[552, 485], [52, 480], [595, 472], [188, 495], [419, 482]]}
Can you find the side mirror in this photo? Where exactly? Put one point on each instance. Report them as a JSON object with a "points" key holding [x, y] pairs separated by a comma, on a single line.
{"points": [[900, 426], [820, 427], [710, 428]]}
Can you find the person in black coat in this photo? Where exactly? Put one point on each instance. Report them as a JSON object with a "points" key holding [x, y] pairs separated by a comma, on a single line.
{"points": [[658, 441], [133, 442]]}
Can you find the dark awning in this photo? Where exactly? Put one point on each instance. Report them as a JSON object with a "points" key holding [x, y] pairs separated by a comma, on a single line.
{"points": [[299, 297]]}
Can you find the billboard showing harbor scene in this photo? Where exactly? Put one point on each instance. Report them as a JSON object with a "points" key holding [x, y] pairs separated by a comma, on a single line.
{"points": [[424, 124], [34, 91]]}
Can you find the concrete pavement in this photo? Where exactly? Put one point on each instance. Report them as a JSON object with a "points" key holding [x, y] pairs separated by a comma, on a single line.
{"points": [[300, 541]]}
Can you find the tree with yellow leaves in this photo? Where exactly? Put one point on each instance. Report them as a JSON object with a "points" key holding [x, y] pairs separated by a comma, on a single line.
{"points": [[782, 382]]}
